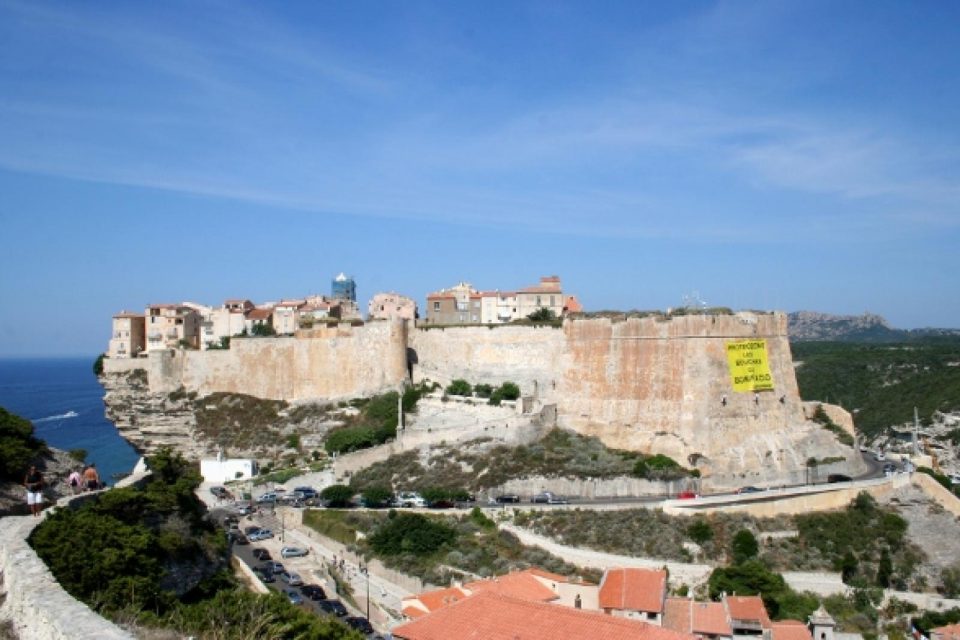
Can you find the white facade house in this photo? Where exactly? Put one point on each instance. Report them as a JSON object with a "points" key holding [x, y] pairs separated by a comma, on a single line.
{"points": [[222, 469]]}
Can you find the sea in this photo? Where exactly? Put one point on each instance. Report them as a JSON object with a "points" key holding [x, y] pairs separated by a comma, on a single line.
{"points": [[64, 400]]}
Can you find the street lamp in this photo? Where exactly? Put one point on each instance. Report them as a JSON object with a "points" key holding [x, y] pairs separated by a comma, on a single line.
{"points": [[365, 570]]}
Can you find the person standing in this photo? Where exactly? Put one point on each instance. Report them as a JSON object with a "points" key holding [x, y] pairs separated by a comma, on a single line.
{"points": [[34, 485], [75, 481], [91, 479]]}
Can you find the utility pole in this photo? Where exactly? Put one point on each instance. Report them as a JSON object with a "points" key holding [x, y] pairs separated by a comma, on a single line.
{"points": [[365, 570]]}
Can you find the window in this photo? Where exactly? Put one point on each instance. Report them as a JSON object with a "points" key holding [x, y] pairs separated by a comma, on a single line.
{"points": [[538, 301], [551, 301], [436, 306]]}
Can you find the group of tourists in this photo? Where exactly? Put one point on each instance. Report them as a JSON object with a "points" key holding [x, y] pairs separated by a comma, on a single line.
{"points": [[86, 479]]}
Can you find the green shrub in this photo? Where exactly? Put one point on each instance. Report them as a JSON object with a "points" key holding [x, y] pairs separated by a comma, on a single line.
{"points": [[411, 533], [509, 391], [482, 390], [18, 446], [376, 496], [459, 387], [338, 496], [543, 314], [700, 532], [744, 546], [98, 365], [79, 455]]}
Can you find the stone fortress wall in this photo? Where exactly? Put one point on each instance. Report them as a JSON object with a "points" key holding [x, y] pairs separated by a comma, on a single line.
{"points": [[645, 384]]}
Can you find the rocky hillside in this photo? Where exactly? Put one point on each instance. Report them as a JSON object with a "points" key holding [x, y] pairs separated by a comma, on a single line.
{"points": [[814, 326]]}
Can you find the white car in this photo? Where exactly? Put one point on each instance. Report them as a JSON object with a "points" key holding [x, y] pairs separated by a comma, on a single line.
{"points": [[293, 552], [410, 499], [291, 578]]}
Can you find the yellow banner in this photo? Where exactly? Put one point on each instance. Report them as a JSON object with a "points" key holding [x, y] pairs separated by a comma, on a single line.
{"points": [[749, 366]]}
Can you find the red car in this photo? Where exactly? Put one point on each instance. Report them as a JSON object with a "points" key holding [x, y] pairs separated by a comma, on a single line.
{"points": [[687, 495]]}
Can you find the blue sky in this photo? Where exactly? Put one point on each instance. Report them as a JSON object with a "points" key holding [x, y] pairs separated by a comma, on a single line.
{"points": [[788, 155]]}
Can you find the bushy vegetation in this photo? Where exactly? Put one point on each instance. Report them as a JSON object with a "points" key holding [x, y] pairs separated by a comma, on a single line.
{"points": [[752, 578], [459, 387], [375, 424], [98, 365], [474, 466], [237, 417], [820, 416], [149, 555], [883, 381], [337, 496], [853, 541], [411, 533], [476, 548], [18, 446]]}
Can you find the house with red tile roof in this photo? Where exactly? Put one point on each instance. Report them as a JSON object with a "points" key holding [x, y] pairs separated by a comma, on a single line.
{"points": [[430, 601], [531, 584], [949, 632], [634, 593], [789, 630], [462, 304], [489, 615], [747, 615], [706, 620]]}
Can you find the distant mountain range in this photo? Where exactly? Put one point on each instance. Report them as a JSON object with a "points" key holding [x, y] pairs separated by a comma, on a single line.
{"points": [[811, 326]]}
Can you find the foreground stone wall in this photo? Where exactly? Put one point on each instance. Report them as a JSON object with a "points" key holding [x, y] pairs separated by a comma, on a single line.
{"points": [[33, 600]]}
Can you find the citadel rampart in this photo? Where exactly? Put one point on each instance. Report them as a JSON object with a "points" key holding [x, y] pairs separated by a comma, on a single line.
{"points": [[647, 384]]}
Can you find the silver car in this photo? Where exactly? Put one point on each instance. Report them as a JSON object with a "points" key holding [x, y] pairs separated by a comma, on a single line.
{"points": [[293, 552]]}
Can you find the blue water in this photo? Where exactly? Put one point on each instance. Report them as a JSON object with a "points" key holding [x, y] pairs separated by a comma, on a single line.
{"points": [[65, 402]]}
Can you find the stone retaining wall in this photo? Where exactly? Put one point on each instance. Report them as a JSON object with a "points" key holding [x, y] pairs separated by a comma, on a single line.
{"points": [[33, 600]]}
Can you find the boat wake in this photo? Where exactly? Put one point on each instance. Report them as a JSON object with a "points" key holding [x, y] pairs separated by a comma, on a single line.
{"points": [[62, 416]]}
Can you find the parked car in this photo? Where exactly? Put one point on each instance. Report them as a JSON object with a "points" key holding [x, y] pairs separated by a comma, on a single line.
{"points": [[333, 606], [265, 576], [293, 596], [237, 538], [359, 623], [251, 529], [244, 509], [548, 498], [220, 492], [262, 534], [508, 498], [292, 578], [742, 490], [314, 592], [306, 493], [273, 567], [410, 499], [687, 495], [442, 504], [261, 554], [268, 497], [293, 552], [838, 477]]}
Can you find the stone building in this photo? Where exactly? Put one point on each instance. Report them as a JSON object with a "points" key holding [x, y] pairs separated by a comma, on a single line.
{"points": [[128, 338], [386, 306], [169, 326]]}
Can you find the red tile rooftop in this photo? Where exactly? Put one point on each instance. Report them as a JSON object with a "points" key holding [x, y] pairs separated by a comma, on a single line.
{"points": [[949, 632], [633, 589], [433, 600], [747, 608], [520, 584], [688, 616], [492, 616], [790, 630]]}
